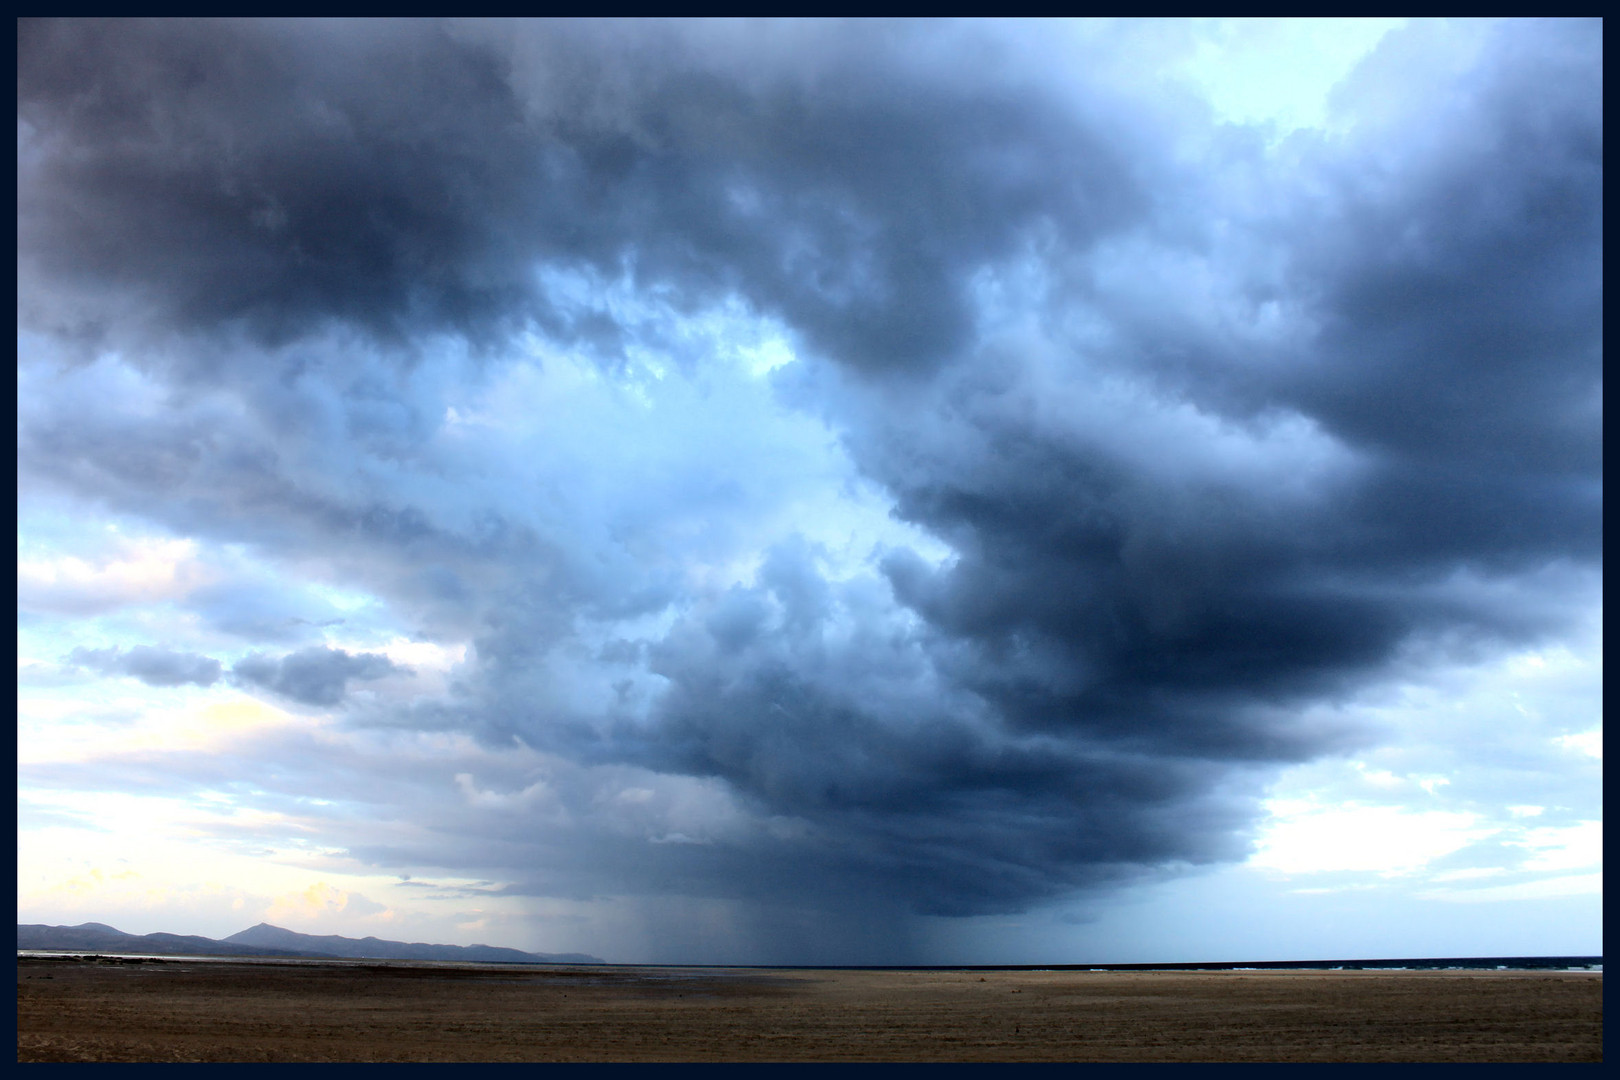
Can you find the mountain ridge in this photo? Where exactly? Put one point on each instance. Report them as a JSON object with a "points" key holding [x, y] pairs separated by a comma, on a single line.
{"points": [[265, 935], [267, 940]]}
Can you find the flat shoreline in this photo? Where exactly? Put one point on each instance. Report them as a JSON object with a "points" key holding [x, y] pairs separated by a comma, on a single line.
{"points": [[1510, 963], [72, 1008]]}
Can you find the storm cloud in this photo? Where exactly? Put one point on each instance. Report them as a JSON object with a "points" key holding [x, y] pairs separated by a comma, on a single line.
{"points": [[413, 177], [1178, 454]]}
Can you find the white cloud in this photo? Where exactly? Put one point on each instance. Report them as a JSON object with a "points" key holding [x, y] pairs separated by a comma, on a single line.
{"points": [[141, 570], [82, 731], [1472, 873], [1545, 889], [1388, 840], [1589, 743], [1571, 847]]}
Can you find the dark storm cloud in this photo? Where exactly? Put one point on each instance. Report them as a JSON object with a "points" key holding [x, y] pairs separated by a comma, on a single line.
{"points": [[1181, 513], [391, 176], [263, 172], [313, 676], [153, 666]]}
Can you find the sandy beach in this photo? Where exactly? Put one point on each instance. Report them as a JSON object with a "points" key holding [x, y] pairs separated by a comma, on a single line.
{"points": [[183, 1010]]}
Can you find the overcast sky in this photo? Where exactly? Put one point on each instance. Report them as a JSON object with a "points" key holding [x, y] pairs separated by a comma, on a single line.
{"points": [[815, 492]]}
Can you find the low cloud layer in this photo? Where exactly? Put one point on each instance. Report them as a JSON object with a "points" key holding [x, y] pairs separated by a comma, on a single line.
{"points": [[313, 676], [153, 666], [1110, 447]]}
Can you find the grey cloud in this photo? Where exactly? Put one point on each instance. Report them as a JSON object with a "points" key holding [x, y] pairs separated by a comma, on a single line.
{"points": [[1210, 445], [866, 733], [153, 666], [313, 676], [283, 176], [261, 172], [1116, 604]]}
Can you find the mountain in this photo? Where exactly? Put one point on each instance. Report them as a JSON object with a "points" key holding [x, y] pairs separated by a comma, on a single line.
{"points": [[274, 937], [99, 937], [267, 940]]}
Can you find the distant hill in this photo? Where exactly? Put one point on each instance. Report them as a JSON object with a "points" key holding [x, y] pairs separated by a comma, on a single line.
{"points": [[99, 937], [274, 937], [267, 940]]}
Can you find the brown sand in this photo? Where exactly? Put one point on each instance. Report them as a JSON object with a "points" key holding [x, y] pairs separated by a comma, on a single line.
{"points": [[76, 1010]]}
